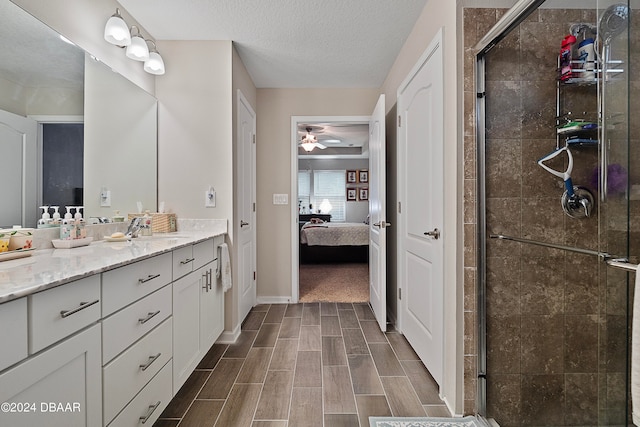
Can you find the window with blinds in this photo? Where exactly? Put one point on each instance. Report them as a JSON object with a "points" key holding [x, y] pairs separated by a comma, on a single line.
{"points": [[304, 190], [330, 185], [314, 187]]}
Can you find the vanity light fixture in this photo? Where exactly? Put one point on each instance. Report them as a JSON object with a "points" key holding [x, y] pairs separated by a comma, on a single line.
{"points": [[138, 49], [116, 31], [155, 64]]}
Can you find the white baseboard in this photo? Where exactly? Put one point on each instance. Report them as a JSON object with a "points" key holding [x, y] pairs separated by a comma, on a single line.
{"points": [[229, 337], [274, 300]]}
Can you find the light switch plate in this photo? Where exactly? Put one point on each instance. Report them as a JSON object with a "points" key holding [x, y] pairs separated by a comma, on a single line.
{"points": [[280, 199]]}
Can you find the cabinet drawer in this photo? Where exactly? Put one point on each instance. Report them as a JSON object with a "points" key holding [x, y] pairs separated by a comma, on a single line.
{"points": [[182, 261], [128, 325], [147, 406], [204, 253], [128, 373], [127, 284], [59, 312], [13, 334]]}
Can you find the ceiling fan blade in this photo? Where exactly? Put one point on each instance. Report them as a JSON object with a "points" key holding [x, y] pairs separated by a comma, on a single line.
{"points": [[320, 146]]}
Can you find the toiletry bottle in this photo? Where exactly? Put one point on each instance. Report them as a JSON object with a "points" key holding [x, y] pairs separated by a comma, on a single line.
{"points": [[67, 226], [587, 55], [147, 222], [81, 231], [565, 57], [56, 215], [45, 219]]}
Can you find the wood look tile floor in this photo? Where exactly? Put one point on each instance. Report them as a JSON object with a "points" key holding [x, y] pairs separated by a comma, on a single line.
{"points": [[306, 365]]}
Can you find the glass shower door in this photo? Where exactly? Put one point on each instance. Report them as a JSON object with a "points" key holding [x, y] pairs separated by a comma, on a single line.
{"points": [[554, 316]]}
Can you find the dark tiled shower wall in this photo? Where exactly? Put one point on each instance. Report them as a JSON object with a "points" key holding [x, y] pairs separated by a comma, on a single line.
{"points": [[556, 334]]}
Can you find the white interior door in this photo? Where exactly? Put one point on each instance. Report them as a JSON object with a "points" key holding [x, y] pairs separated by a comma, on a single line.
{"points": [[246, 226], [18, 141], [377, 209], [420, 264]]}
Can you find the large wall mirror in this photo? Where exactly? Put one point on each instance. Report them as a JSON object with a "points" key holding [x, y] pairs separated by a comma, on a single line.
{"points": [[70, 128]]}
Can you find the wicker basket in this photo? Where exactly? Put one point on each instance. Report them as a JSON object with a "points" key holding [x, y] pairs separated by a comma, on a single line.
{"points": [[160, 222]]}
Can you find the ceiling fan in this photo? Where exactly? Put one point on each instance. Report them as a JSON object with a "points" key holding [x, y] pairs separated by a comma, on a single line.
{"points": [[309, 142]]}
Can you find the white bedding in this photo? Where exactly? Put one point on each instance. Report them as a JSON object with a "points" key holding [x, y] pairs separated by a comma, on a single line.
{"points": [[335, 234]]}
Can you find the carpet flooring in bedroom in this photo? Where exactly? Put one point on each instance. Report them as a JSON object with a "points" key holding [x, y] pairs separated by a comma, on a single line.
{"points": [[334, 282]]}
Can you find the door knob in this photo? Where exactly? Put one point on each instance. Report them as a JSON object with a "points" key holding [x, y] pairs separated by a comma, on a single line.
{"points": [[382, 224], [435, 233], [242, 223]]}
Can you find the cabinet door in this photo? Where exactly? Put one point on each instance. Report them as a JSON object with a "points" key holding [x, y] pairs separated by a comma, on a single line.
{"points": [[211, 308], [186, 327], [59, 387]]}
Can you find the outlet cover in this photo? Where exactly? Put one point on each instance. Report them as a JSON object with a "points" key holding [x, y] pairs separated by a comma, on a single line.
{"points": [[280, 199], [210, 199], [105, 199]]}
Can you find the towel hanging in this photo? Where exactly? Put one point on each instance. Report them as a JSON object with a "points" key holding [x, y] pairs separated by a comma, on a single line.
{"points": [[224, 267]]}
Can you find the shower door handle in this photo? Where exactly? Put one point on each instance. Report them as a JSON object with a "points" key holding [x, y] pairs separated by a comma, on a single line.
{"points": [[242, 223], [435, 233]]}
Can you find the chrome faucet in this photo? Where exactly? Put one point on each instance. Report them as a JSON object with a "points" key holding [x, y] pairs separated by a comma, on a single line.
{"points": [[134, 227]]}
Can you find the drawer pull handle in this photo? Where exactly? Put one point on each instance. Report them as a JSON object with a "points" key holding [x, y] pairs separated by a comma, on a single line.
{"points": [[151, 360], [149, 317], [83, 305], [152, 408], [187, 261], [149, 277]]}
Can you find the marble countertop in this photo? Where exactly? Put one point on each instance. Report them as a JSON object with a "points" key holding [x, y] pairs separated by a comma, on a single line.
{"points": [[47, 268]]}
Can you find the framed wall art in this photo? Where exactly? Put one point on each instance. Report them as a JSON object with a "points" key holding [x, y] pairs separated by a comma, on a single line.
{"points": [[363, 193], [363, 176], [352, 194], [352, 177]]}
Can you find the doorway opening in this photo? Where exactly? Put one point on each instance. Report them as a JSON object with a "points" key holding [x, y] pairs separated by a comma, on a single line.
{"points": [[330, 244]]}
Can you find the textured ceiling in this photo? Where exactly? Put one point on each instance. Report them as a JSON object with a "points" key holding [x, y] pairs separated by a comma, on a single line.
{"points": [[292, 43], [32, 54]]}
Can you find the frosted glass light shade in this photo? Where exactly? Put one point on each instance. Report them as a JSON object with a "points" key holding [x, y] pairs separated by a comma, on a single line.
{"points": [[138, 49], [116, 31], [155, 64], [308, 146]]}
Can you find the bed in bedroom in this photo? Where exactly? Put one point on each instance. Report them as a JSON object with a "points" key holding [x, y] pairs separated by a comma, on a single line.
{"points": [[331, 242]]}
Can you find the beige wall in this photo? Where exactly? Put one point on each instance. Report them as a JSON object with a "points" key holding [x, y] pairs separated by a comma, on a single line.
{"points": [[194, 129], [436, 15], [275, 108]]}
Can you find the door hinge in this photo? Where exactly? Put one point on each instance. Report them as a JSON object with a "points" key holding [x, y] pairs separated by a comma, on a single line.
{"points": [[399, 293], [399, 121], [254, 275], [254, 138], [254, 206], [399, 207]]}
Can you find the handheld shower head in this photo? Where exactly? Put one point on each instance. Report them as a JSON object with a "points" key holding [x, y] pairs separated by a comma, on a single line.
{"points": [[613, 21]]}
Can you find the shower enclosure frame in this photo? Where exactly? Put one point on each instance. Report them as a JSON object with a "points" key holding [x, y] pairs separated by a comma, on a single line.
{"points": [[508, 22], [516, 15]]}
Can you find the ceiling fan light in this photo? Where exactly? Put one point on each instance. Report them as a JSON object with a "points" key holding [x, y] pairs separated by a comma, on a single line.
{"points": [[116, 31], [155, 64], [308, 146], [138, 49]]}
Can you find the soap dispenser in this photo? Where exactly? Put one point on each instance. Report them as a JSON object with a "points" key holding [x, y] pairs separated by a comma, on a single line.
{"points": [[81, 231], [147, 222]]}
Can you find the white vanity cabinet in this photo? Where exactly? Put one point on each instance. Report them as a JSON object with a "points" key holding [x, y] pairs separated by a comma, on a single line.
{"points": [[59, 387], [136, 337], [197, 312], [13, 332], [111, 348]]}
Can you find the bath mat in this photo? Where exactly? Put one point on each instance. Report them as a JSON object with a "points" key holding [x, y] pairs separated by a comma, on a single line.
{"points": [[424, 422]]}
